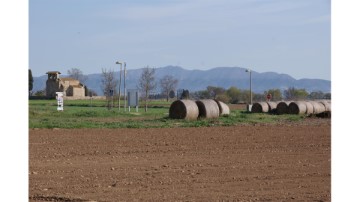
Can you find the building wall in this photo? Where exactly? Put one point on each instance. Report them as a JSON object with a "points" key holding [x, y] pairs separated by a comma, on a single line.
{"points": [[78, 92], [65, 86], [52, 86], [85, 97]]}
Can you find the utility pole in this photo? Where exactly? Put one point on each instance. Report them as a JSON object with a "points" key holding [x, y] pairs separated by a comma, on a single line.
{"points": [[125, 86], [250, 105], [119, 82], [250, 90]]}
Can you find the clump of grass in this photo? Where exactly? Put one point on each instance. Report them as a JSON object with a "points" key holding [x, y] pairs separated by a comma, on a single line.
{"points": [[84, 113], [294, 118]]}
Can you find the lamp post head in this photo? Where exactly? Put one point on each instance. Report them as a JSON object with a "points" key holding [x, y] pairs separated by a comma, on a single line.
{"points": [[117, 62], [248, 70]]}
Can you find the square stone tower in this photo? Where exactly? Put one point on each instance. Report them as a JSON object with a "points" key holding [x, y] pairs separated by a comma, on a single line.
{"points": [[52, 83]]}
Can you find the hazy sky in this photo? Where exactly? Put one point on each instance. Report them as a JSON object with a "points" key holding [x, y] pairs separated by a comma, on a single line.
{"points": [[284, 36]]}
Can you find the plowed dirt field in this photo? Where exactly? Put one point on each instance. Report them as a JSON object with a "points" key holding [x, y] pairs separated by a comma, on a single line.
{"points": [[263, 162]]}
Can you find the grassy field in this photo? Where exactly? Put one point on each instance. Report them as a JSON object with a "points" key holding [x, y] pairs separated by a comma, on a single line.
{"points": [[95, 114]]}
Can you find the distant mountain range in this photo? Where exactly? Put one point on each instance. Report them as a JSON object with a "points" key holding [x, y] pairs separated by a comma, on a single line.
{"points": [[195, 80]]}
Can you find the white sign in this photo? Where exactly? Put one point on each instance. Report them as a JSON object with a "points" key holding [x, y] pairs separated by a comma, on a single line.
{"points": [[60, 101]]}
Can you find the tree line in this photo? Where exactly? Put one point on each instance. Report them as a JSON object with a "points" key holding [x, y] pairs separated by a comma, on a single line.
{"points": [[168, 84], [235, 95]]}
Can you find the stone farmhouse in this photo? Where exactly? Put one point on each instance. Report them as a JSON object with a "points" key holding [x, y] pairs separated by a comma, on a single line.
{"points": [[69, 86]]}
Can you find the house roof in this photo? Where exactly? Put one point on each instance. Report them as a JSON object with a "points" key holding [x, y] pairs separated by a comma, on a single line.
{"points": [[68, 79], [77, 86], [53, 72]]}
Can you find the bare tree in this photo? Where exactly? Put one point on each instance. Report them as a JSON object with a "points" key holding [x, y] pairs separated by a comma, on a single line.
{"points": [[108, 84], [77, 74], [168, 83], [147, 83], [108, 81]]}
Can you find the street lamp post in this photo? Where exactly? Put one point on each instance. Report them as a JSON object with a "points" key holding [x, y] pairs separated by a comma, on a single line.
{"points": [[119, 82], [125, 86], [250, 105]]}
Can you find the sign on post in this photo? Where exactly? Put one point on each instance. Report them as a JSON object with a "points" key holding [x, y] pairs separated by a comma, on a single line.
{"points": [[133, 98], [268, 97], [60, 101]]}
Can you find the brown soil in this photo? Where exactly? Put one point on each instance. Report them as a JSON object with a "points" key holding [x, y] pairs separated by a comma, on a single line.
{"points": [[237, 106], [279, 162]]}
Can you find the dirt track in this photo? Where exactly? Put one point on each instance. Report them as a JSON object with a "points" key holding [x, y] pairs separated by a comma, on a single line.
{"points": [[241, 163]]}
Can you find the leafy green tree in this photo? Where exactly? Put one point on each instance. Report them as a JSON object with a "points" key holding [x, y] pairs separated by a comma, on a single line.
{"points": [[40, 93], [289, 93], [185, 94], [223, 98], [275, 94], [327, 96], [316, 95], [215, 91], [202, 94], [234, 95], [301, 94], [31, 81], [295, 94], [245, 96], [258, 97]]}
